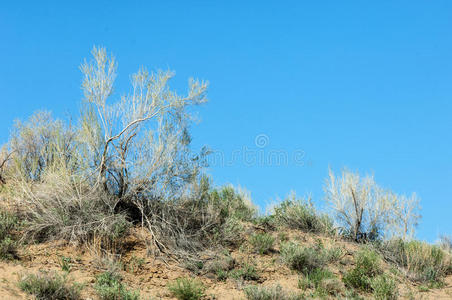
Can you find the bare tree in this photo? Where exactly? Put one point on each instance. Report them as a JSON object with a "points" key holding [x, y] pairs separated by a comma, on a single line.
{"points": [[367, 211], [142, 133]]}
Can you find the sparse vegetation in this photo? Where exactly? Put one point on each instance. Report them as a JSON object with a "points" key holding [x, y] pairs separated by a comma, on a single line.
{"points": [[109, 286], [384, 288], [262, 243], [124, 171], [8, 223], [187, 289], [322, 281], [269, 293], [298, 213], [248, 272], [301, 259], [367, 266], [49, 286], [422, 262]]}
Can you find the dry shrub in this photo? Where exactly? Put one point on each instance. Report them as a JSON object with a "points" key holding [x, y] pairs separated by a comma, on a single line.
{"points": [[421, 261], [66, 207], [365, 211], [299, 213]]}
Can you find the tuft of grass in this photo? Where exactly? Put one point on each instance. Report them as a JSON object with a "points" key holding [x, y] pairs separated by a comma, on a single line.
{"points": [[301, 214], [247, 272], [269, 293], [45, 286], [313, 279], [262, 243], [301, 259], [187, 289], [367, 267], [384, 288], [323, 281], [230, 202], [109, 287], [65, 263]]}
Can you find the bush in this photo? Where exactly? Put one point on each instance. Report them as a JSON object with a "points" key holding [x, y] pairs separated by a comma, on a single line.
{"points": [[234, 203], [187, 289], [367, 266], [367, 212], [247, 272], [67, 207], [304, 260], [268, 293], [423, 262], [313, 279], [49, 286], [262, 243], [301, 214], [109, 287], [384, 288], [323, 281], [8, 224], [230, 233]]}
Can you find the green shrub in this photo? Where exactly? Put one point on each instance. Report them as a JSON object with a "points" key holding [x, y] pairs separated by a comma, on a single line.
{"points": [[262, 243], [109, 287], [8, 224], [269, 293], [313, 279], [222, 275], [323, 281], [384, 288], [45, 286], [187, 289], [334, 254], [247, 272], [423, 262], [267, 222], [233, 203], [301, 259], [301, 214], [367, 267]]}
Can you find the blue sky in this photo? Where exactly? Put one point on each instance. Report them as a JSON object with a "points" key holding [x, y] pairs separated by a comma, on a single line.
{"points": [[362, 84]]}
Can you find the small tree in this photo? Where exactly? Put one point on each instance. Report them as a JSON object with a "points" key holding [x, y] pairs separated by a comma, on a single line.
{"points": [[365, 211], [139, 143]]}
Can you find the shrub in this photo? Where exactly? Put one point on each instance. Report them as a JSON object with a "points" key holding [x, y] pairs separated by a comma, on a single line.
{"points": [[301, 259], [268, 293], [334, 254], [367, 266], [384, 288], [8, 224], [187, 289], [234, 203], [67, 207], [230, 233], [365, 211], [313, 279], [301, 214], [45, 286], [323, 281], [423, 262], [445, 242], [262, 243], [247, 272], [109, 287], [222, 262]]}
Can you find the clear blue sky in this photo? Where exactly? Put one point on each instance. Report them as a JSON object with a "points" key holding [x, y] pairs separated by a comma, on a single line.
{"points": [[363, 84]]}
